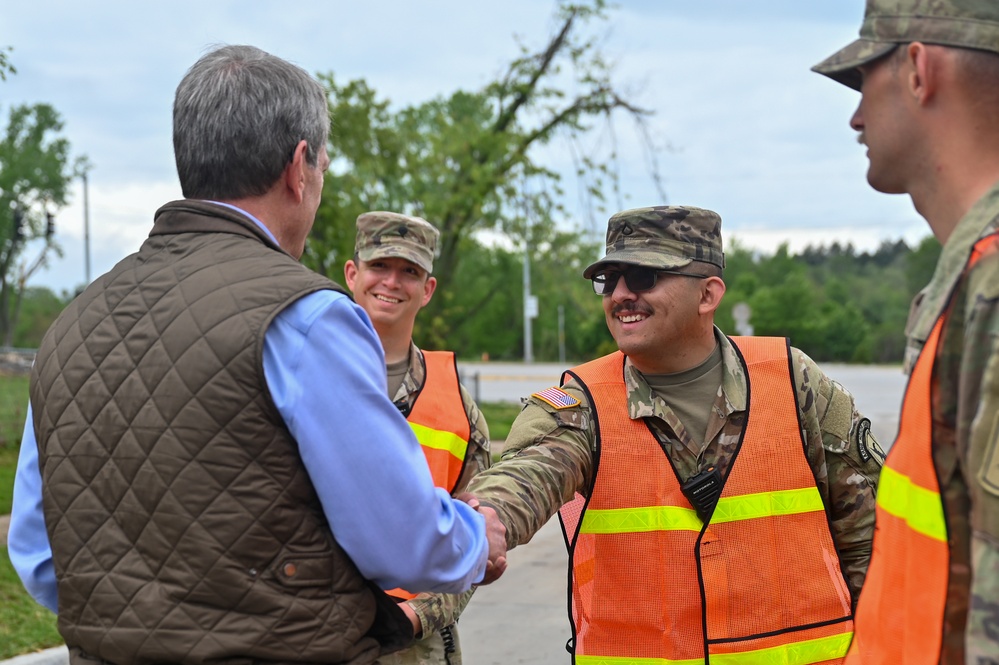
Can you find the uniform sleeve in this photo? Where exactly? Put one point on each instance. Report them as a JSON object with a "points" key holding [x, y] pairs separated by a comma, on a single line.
{"points": [[478, 456], [440, 610], [846, 460], [977, 395], [547, 458]]}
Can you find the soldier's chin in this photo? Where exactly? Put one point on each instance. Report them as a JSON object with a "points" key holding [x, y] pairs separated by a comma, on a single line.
{"points": [[882, 182]]}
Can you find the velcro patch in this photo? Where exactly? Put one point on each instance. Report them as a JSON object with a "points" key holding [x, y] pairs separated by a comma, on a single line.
{"points": [[557, 397]]}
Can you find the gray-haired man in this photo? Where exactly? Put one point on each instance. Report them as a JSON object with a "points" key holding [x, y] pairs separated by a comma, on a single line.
{"points": [[204, 477]]}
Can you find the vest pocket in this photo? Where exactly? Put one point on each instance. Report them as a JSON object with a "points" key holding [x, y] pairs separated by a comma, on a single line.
{"points": [[306, 569]]}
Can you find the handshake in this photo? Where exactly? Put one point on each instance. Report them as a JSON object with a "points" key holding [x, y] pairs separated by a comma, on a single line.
{"points": [[495, 534]]}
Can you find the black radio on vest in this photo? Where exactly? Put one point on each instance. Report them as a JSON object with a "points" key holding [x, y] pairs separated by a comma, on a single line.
{"points": [[703, 491]]}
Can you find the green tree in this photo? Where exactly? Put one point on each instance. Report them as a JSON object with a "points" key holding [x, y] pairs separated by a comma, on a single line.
{"points": [[34, 179], [5, 66], [39, 308], [468, 161], [921, 263]]}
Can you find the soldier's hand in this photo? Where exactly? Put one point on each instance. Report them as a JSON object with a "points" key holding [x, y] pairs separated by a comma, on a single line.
{"points": [[495, 535], [414, 619]]}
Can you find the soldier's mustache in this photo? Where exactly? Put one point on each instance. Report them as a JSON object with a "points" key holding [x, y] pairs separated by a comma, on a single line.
{"points": [[630, 308]]}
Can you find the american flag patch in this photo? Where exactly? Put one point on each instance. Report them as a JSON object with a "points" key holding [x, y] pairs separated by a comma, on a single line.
{"points": [[557, 398]]}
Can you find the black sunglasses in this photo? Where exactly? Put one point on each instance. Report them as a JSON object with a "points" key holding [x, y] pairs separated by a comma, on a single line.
{"points": [[637, 278]]}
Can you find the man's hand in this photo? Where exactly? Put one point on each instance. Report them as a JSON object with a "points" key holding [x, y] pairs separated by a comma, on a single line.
{"points": [[413, 619], [495, 535]]}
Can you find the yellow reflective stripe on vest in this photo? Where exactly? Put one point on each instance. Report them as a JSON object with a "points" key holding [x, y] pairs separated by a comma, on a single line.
{"points": [[798, 653], [767, 504], [922, 509], [640, 520], [729, 509], [438, 440]]}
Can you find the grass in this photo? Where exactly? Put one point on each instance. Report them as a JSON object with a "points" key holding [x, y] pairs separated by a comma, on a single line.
{"points": [[8, 462], [499, 417], [13, 407], [25, 626]]}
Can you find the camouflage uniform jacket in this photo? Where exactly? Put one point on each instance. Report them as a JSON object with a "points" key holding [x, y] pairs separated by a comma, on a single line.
{"points": [[548, 456], [966, 429], [438, 611]]}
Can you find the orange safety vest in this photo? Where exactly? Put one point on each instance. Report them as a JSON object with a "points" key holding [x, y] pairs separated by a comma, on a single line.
{"points": [[653, 585], [900, 614], [440, 422]]}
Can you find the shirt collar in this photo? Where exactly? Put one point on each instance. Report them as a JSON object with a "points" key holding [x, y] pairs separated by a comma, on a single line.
{"points": [[643, 403], [251, 218]]}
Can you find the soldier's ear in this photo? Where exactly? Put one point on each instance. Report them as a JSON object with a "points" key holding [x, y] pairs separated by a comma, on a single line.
{"points": [[350, 274], [712, 290], [428, 290]]}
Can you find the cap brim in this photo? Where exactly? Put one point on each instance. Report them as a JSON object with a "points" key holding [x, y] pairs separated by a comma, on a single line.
{"points": [[842, 65], [662, 262], [394, 252]]}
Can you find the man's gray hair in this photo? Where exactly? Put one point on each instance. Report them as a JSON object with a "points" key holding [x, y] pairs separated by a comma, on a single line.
{"points": [[238, 114]]}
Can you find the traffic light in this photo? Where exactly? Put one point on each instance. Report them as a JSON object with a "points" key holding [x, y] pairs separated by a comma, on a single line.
{"points": [[18, 231]]}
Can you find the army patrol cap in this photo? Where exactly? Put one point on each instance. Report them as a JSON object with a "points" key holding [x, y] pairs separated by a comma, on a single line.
{"points": [[887, 23], [388, 234], [663, 237]]}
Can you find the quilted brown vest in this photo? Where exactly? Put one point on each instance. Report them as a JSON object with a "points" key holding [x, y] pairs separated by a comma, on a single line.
{"points": [[184, 527]]}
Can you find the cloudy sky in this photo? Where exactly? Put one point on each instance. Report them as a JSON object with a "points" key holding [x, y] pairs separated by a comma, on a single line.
{"points": [[745, 128]]}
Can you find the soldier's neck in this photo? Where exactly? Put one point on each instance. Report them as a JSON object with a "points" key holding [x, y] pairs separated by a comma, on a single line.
{"points": [[395, 342]]}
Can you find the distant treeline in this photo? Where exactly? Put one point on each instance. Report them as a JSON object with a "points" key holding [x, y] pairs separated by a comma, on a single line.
{"points": [[835, 303]]}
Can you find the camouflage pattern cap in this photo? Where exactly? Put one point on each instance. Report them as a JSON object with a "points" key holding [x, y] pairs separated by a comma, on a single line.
{"points": [[383, 234], [887, 23], [663, 237]]}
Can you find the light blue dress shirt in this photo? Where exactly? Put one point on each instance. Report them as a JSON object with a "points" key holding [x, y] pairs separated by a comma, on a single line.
{"points": [[325, 368]]}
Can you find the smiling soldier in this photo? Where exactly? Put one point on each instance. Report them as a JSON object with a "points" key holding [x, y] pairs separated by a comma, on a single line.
{"points": [[390, 278], [718, 492]]}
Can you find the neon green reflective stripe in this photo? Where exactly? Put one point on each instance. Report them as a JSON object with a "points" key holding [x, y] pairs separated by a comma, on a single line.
{"points": [[922, 509], [798, 653], [729, 509], [767, 504], [440, 440], [639, 520]]}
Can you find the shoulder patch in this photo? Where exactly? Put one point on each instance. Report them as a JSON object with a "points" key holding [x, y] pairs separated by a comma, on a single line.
{"points": [[557, 398], [867, 445]]}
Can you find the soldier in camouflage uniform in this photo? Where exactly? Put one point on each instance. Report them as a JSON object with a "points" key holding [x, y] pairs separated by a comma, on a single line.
{"points": [[684, 379], [390, 277], [928, 73]]}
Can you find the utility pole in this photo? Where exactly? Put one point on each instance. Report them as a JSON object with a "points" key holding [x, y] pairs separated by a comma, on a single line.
{"points": [[82, 168], [530, 302], [561, 335], [86, 226]]}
